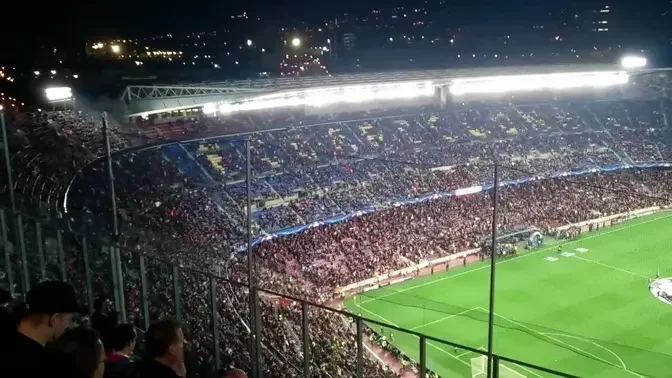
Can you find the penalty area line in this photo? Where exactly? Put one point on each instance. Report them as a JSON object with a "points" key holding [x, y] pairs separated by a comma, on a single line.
{"points": [[445, 318], [428, 342]]}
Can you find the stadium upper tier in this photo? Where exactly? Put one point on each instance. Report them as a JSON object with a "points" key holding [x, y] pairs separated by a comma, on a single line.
{"points": [[155, 99], [308, 174]]}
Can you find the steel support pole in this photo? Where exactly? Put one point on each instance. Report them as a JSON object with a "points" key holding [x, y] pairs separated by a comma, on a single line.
{"points": [[215, 322], [40, 251], [423, 356], [360, 348], [257, 330], [493, 259], [8, 259], [177, 294], [22, 253], [61, 255], [144, 289], [114, 251], [87, 274], [8, 164], [306, 339], [254, 353]]}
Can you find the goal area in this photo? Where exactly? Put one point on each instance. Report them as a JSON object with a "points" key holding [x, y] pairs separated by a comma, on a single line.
{"points": [[479, 369]]}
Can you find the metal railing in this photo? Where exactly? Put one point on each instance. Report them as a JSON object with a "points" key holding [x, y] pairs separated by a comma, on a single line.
{"points": [[145, 288]]}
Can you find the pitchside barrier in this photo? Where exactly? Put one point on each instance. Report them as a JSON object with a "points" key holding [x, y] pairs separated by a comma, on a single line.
{"points": [[420, 268], [145, 288]]}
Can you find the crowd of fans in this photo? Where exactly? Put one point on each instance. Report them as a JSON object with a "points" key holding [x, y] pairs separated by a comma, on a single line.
{"points": [[45, 335], [185, 203]]}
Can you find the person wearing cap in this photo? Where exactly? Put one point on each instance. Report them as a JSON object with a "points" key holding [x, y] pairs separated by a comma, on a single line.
{"points": [[45, 315]]}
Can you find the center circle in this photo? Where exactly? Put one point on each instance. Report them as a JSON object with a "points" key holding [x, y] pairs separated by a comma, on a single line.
{"points": [[662, 289]]}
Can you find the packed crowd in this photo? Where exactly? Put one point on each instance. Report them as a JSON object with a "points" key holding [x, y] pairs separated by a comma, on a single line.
{"points": [[184, 204], [45, 335], [48, 148]]}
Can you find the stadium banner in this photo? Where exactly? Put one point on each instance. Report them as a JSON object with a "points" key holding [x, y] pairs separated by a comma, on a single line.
{"points": [[434, 196], [404, 274], [602, 221]]}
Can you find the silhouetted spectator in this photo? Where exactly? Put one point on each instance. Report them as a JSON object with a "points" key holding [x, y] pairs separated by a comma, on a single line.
{"points": [[103, 320], [120, 347], [235, 373], [77, 354], [47, 312], [164, 351]]}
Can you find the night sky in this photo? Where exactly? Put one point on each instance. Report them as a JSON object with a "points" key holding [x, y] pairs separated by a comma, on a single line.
{"points": [[59, 19], [69, 21]]}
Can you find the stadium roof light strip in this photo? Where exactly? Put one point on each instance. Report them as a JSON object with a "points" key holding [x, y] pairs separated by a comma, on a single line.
{"points": [[151, 99], [318, 97], [554, 81]]}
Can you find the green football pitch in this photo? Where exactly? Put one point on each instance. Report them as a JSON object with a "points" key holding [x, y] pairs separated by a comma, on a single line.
{"points": [[588, 311]]}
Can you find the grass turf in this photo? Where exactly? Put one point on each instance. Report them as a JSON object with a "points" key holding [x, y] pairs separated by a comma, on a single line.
{"points": [[590, 314]]}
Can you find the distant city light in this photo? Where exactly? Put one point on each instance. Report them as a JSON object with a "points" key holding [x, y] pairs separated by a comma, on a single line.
{"points": [[249, 42], [263, 50], [115, 49], [75, 76], [37, 73], [296, 42], [53, 72]]}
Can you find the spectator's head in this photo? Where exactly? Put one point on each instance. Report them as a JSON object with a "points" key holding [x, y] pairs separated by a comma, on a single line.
{"points": [[78, 353], [164, 341], [48, 311], [101, 304], [234, 373], [122, 339]]}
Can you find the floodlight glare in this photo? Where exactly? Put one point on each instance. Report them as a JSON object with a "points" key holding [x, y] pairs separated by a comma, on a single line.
{"points": [[115, 49], [1, 108], [633, 62], [58, 93], [210, 108], [296, 42]]}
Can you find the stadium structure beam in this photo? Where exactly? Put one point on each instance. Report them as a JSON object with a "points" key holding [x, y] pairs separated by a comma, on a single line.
{"points": [[145, 92]]}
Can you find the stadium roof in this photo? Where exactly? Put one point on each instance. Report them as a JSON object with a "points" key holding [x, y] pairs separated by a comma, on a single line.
{"points": [[153, 99]]}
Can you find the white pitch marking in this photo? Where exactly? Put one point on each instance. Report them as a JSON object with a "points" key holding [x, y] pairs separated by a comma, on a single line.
{"points": [[611, 267], [445, 318]]}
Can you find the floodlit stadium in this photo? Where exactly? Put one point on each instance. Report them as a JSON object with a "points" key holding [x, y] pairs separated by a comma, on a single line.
{"points": [[372, 220]]}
